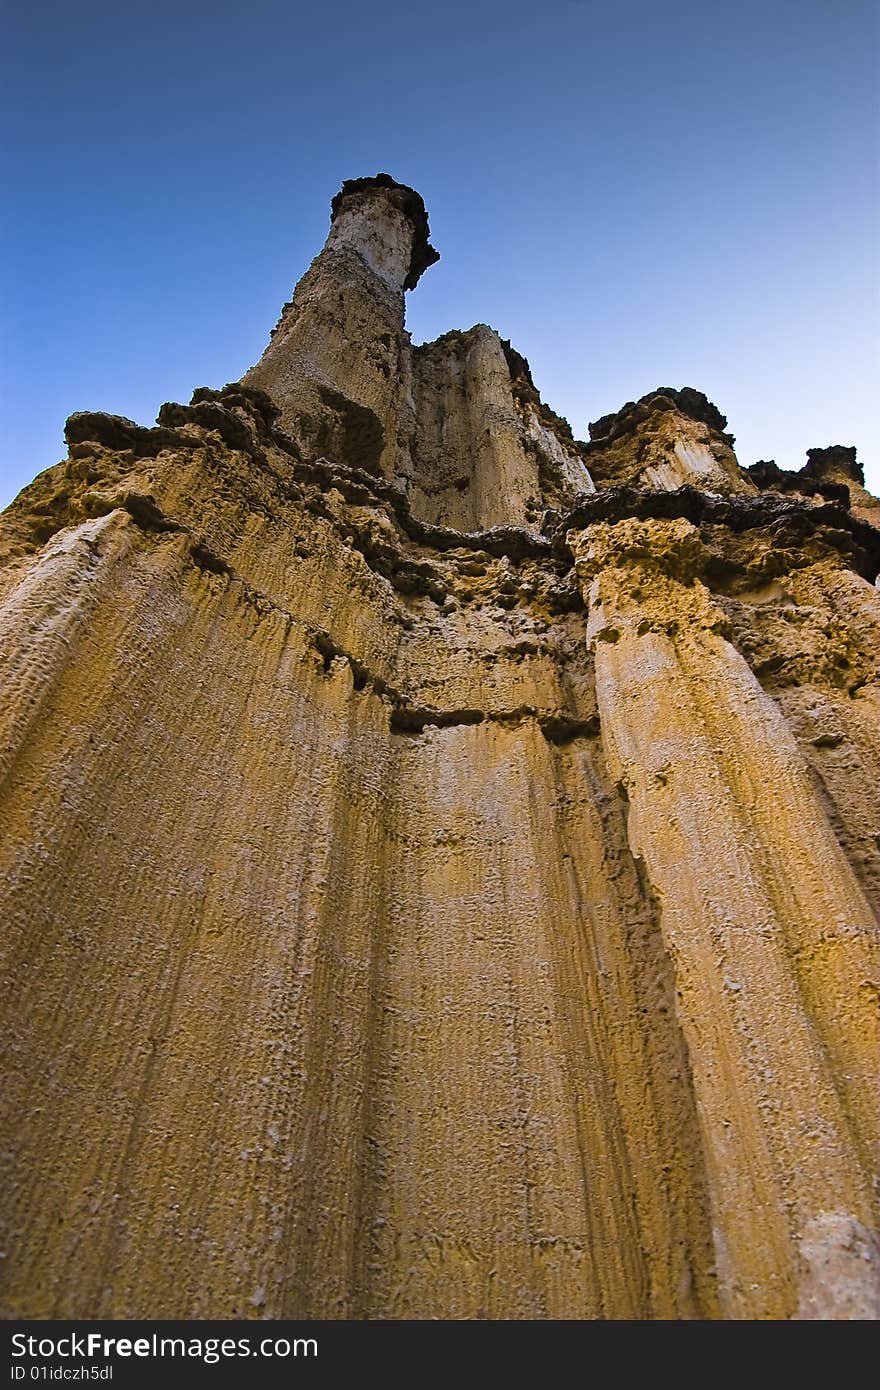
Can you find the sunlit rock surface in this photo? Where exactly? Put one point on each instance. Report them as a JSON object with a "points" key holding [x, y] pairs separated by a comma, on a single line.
{"points": [[440, 857]]}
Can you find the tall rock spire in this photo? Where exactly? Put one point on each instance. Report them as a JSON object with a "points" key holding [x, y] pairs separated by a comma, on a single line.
{"points": [[456, 424], [335, 362]]}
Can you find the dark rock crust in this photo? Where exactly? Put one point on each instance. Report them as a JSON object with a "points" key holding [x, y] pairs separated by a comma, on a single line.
{"points": [[410, 203]]}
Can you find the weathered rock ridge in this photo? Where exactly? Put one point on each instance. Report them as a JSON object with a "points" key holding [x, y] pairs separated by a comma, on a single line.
{"points": [[440, 857]]}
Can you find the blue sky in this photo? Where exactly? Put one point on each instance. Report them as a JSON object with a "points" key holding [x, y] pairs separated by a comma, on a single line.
{"points": [[636, 194]]}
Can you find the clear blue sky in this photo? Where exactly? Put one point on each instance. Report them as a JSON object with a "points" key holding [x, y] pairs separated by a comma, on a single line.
{"points": [[637, 194]]}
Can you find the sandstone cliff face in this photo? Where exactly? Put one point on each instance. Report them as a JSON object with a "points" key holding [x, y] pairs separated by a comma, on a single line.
{"points": [[440, 858]]}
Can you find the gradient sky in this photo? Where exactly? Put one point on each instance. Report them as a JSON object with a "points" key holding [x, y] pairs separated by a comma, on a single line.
{"points": [[636, 194]]}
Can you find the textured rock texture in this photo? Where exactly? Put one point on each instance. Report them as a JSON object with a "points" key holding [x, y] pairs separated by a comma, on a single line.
{"points": [[440, 858]]}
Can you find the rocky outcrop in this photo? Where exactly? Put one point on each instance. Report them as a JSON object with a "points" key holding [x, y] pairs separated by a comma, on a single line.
{"points": [[770, 933], [666, 440], [440, 859], [834, 474], [485, 451]]}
